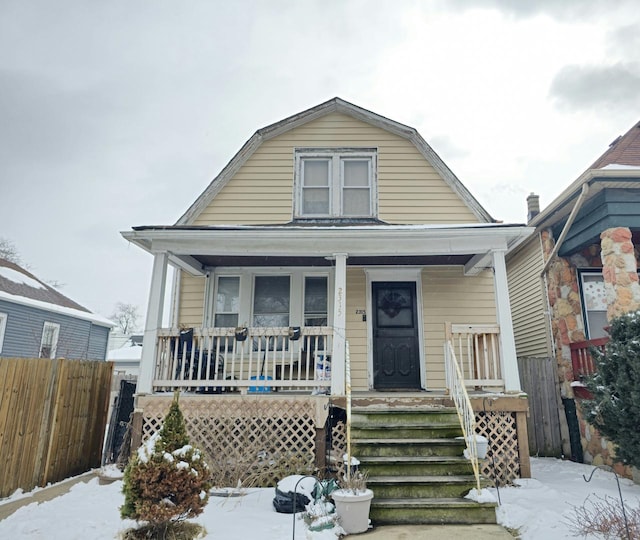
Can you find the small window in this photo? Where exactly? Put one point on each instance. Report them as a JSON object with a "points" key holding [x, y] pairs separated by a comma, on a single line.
{"points": [[3, 325], [49, 343], [227, 302], [594, 301], [271, 301], [315, 301], [336, 183]]}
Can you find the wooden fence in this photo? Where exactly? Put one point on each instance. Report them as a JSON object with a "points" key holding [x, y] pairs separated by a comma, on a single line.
{"points": [[53, 415], [539, 379]]}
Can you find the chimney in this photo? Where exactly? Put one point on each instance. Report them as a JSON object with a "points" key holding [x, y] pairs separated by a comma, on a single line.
{"points": [[533, 206]]}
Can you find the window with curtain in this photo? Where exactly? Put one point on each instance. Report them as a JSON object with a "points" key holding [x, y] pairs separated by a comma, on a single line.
{"points": [[49, 342], [271, 301], [227, 301], [315, 301]]}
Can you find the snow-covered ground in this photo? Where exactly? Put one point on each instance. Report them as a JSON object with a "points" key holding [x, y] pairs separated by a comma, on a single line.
{"points": [[540, 508]]}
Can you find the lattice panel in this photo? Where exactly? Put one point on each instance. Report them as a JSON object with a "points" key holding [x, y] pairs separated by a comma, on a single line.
{"points": [[502, 463], [338, 447], [255, 442]]}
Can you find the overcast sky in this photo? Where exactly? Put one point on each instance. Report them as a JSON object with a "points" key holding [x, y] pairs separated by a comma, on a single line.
{"points": [[115, 114]]}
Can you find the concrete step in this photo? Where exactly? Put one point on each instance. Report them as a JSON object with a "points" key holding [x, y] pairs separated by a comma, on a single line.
{"points": [[414, 487], [431, 511], [404, 415], [416, 465], [400, 447], [408, 430]]}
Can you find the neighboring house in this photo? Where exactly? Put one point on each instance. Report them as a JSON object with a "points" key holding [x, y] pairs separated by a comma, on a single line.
{"points": [[126, 355], [567, 281], [36, 321], [334, 253]]}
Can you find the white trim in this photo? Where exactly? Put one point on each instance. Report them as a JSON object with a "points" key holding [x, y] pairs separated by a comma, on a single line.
{"points": [[3, 325], [413, 274], [55, 328]]}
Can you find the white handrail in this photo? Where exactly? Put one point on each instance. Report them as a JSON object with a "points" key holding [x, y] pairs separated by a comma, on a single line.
{"points": [[347, 378], [466, 416]]}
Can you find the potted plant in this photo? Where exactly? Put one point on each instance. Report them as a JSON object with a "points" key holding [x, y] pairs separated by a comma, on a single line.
{"points": [[353, 499]]}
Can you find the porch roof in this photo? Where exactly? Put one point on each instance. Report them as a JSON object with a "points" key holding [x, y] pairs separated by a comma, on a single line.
{"points": [[195, 247]]}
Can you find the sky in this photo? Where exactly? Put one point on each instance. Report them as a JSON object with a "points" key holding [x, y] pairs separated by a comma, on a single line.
{"points": [[116, 114]]}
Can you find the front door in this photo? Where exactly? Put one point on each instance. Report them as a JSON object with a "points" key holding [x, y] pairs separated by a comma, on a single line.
{"points": [[396, 353]]}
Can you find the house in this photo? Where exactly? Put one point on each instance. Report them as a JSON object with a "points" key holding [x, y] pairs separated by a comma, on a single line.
{"points": [[126, 354], [567, 280], [37, 321], [337, 260]]}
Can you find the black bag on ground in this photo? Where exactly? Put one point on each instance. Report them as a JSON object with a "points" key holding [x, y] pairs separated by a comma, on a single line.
{"points": [[283, 502]]}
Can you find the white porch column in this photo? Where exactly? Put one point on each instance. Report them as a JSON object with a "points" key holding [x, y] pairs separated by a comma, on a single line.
{"points": [[508, 359], [339, 326], [153, 322]]}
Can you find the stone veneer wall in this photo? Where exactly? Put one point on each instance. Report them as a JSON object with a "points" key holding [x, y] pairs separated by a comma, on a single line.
{"points": [[623, 294]]}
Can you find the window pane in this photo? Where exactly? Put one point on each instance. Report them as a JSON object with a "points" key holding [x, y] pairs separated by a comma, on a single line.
{"points": [[315, 201], [356, 202], [356, 173], [271, 301], [315, 294], [226, 320], [228, 296], [597, 321], [316, 172], [594, 293]]}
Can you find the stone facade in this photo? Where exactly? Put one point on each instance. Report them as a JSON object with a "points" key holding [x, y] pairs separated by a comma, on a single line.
{"points": [[618, 259]]}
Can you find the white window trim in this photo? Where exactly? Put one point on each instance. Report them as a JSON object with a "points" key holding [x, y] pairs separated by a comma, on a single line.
{"points": [[337, 157], [56, 336], [3, 325], [296, 298]]}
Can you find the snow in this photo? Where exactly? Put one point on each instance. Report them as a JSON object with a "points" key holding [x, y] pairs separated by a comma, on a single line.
{"points": [[620, 166], [125, 353], [55, 308], [539, 507], [19, 277]]}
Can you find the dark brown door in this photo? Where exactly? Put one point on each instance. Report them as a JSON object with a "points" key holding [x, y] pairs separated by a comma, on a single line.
{"points": [[396, 357]]}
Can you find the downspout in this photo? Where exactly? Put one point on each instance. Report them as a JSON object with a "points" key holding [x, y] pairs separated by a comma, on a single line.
{"points": [[567, 226], [554, 252]]}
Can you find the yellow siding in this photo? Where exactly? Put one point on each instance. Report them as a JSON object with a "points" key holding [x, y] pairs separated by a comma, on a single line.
{"points": [[191, 300], [449, 296], [409, 188], [357, 328], [527, 300]]}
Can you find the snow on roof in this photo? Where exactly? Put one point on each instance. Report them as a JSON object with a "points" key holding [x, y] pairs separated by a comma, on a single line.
{"points": [[125, 353], [620, 166], [19, 277], [55, 308]]}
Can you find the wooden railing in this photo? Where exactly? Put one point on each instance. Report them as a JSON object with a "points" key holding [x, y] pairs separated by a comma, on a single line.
{"points": [[255, 360], [583, 364], [477, 351], [458, 391]]}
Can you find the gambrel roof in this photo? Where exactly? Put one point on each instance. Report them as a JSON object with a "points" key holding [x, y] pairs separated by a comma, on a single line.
{"points": [[335, 105]]}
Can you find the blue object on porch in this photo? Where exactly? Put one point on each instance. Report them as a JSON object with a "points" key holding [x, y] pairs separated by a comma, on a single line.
{"points": [[260, 389]]}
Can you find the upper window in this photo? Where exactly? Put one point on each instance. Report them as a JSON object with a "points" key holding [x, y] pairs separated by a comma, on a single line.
{"points": [[3, 324], [336, 183], [49, 343]]}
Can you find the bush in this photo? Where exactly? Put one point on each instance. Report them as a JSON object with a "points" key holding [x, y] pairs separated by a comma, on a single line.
{"points": [[615, 408], [167, 481]]}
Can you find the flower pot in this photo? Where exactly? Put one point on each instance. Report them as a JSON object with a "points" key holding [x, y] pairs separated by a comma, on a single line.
{"points": [[353, 510]]}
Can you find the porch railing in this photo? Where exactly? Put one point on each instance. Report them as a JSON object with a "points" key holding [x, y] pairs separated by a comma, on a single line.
{"points": [[458, 391], [256, 360], [477, 351], [583, 364]]}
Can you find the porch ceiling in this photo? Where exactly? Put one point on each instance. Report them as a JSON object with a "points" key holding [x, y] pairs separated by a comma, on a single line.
{"points": [[433, 260]]}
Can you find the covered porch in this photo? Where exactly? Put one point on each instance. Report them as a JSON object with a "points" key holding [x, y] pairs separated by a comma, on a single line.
{"points": [[380, 270]]}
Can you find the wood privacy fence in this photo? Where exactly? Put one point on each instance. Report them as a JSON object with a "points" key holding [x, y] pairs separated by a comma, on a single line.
{"points": [[53, 415], [539, 379]]}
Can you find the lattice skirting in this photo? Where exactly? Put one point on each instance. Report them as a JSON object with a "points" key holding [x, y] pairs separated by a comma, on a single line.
{"points": [[246, 439], [502, 464]]}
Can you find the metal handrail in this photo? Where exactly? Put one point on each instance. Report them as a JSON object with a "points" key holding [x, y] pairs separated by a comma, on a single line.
{"points": [[466, 416]]}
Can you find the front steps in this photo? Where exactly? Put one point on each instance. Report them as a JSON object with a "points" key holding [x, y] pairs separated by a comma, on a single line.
{"points": [[415, 464]]}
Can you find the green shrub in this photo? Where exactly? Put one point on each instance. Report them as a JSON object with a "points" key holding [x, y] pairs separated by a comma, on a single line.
{"points": [[615, 408], [167, 481]]}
